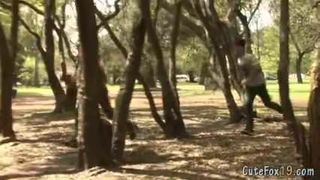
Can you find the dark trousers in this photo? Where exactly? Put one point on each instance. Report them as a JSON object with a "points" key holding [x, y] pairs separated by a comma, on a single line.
{"points": [[251, 92]]}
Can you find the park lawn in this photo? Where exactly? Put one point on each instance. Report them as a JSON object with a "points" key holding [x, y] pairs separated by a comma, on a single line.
{"points": [[297, 91]]}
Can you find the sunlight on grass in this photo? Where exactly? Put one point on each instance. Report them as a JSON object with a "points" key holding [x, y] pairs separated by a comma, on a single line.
{"points": [[297, 91], [34, 91]]}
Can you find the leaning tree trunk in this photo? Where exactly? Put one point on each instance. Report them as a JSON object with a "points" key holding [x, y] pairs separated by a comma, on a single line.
{"points": [[294, 126], [94, 140], [48, 57], [172, 114], [219, 44], [298, 68], [8, 64], [314, 117], [141, 78], [121, 113]]}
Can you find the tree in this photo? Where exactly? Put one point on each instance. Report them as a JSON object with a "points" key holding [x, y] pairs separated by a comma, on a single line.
{"points": [[314, 112], [48, 56], [294, 126], [174, 122], [140, 77], [174, 39], [304, 34], [7, 77], [314, 116], [206, 11], [124, 96], [94, 138]]}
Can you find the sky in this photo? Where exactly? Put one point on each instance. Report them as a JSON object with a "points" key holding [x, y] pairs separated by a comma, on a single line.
{"points": [[265, 18]]}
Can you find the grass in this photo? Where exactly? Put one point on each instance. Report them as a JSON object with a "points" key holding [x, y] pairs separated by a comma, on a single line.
{"points": [[34, 91], [297, 91]]}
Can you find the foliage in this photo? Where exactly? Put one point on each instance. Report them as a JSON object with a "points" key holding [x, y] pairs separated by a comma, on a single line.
{"points": [[191, 55], [27, 72]]}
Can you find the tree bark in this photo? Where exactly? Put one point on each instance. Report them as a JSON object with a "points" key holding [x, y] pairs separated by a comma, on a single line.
{"points": [[94, 137], [298, 68], [314, 117], [219, 45], [140, 77], [172, 115], [123, 99], [174, 40], [7, 66], [36, 78], [48, 57], [294, 126]]}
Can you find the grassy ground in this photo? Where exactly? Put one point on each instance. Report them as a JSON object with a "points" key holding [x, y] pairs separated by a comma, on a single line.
{"points": [[297, 91]]}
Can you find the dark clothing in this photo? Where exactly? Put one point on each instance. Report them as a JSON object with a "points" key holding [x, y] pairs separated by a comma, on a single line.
{"points": [[251, 92]]}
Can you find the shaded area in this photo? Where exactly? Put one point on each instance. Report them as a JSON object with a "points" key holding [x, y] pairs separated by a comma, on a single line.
{"points": [[215, 150]]}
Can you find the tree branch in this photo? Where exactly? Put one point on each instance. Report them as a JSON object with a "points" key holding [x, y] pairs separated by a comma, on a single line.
{"points": [[254, 11], [112, 35], [197, 29], [35, 35], [105, 19]]}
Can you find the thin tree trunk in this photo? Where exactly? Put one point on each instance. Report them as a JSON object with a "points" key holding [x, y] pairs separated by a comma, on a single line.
{"points": [[145, 85], [48, 57], [121, 113], [36, 79], [294, 126], [298, 68], [152, 104], [94, 138], [172, 115], [218, 42], [174, 40]]}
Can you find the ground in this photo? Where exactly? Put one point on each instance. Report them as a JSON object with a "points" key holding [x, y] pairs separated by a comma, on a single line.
{"points": [[215, 150]]}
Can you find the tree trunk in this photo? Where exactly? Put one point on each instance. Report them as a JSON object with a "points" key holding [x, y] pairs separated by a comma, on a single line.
{"points": [[7, 66], [69, 79], [152, 104], [298, 68], [48, 57], [203, 72], [94, 136], [221, 50], [147, 72], [174, 40], [36, 79], [172, 115], [294, 126], [314, 117], [145, 83], [123, 99]]}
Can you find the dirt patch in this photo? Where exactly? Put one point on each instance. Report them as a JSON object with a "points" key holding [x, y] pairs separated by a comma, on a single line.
{"points": [[215, 151]]}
